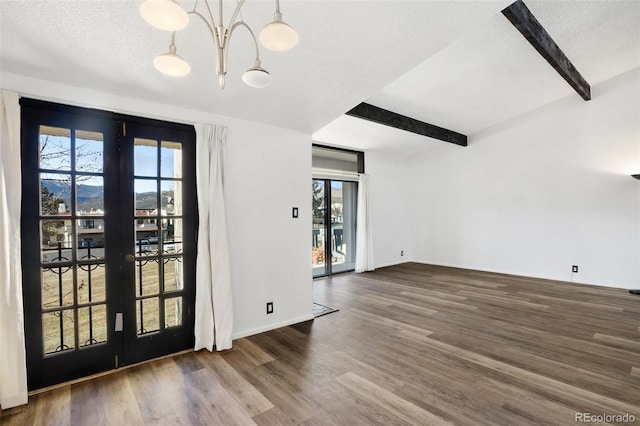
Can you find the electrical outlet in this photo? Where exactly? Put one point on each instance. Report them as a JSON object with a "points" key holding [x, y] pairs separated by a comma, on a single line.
{"points": [[401, 252], [574, 268], [269, 307]]}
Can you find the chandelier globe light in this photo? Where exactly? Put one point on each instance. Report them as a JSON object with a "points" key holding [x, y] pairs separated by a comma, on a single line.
{"points": [[171, 63], [256, 77], [278, 35], [168, 15]]}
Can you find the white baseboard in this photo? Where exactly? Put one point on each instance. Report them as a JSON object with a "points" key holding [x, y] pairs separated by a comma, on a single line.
{"points": [[516, 273], [495, 271], [269, 327], [399, 262], [14, 400]]}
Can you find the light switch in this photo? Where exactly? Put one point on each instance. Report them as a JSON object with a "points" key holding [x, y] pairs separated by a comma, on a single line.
{"points": [[294, 212]]}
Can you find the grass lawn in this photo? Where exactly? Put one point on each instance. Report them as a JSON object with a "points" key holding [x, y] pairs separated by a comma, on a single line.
{"points": [[89, 322]]}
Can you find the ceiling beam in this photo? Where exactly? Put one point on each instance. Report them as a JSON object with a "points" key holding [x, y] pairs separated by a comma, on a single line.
{"points": [[522, 18], [402, 122]]}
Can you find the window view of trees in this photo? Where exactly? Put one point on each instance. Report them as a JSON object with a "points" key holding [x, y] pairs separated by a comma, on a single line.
{"points": [[50, 203], [318, 207]]}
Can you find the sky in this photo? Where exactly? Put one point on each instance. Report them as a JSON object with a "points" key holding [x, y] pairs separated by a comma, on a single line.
{"points": [[55, 155]]}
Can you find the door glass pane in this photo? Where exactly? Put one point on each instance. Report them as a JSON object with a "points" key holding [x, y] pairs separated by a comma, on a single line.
{"points": [[89, 147], [171, 192], [55, 148], [142, 246], [90, 238], [91, 283], [145, 157], [171, 159], [147, 277], [173, 312], [92, 327], [318, 232], [146, 197], [55, 194], [148, 315], [172, 236], [59, 331], [51, 330], [343, 219], [55, 240], [57, 287], [173, 274], [89, 195]]}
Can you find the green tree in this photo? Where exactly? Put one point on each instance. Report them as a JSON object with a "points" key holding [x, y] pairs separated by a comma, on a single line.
{"points": [[318, 201], [50, 203]]}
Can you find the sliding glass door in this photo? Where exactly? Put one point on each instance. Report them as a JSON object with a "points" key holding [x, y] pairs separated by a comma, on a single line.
{"points": [[335, 195], [334, 226]]}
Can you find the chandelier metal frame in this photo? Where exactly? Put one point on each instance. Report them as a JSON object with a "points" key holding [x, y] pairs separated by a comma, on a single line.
{"points": [[170, 16]]}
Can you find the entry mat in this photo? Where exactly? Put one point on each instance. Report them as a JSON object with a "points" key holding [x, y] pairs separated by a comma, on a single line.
{"points": [[320, 310]]}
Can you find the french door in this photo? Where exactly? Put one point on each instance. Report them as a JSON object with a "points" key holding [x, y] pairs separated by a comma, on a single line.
{"points": [[108, 240], [334, 226]]}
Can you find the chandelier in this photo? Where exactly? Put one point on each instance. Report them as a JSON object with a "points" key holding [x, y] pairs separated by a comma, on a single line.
{"points": [[168, 15]]}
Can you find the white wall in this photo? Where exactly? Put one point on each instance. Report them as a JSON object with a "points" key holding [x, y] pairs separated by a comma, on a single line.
{"points": [[390, 184], [539, 194], [267, 173]]}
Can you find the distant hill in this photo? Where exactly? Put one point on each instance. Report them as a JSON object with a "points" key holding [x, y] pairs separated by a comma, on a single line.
{"points": [[88, 196], [92, 196]]}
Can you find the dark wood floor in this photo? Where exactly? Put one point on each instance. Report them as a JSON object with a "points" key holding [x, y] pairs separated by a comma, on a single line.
{"points": [[411, 344]]}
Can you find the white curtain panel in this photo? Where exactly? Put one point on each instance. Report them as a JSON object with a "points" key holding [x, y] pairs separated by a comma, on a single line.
{"points": [[214, 307], [13, 364], [364, 239]]}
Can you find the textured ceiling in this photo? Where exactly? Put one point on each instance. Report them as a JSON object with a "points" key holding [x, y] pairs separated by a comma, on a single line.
{"points": [[492, 74], [457, 64], [347, 51]]}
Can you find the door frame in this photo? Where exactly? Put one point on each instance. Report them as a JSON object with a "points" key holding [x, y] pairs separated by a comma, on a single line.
{"points": [[109, 355], [321, 176], [328, 226]]}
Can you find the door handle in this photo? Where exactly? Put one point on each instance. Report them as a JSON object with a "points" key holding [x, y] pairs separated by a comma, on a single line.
{"points": [[129, 258], [119, 322]]}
